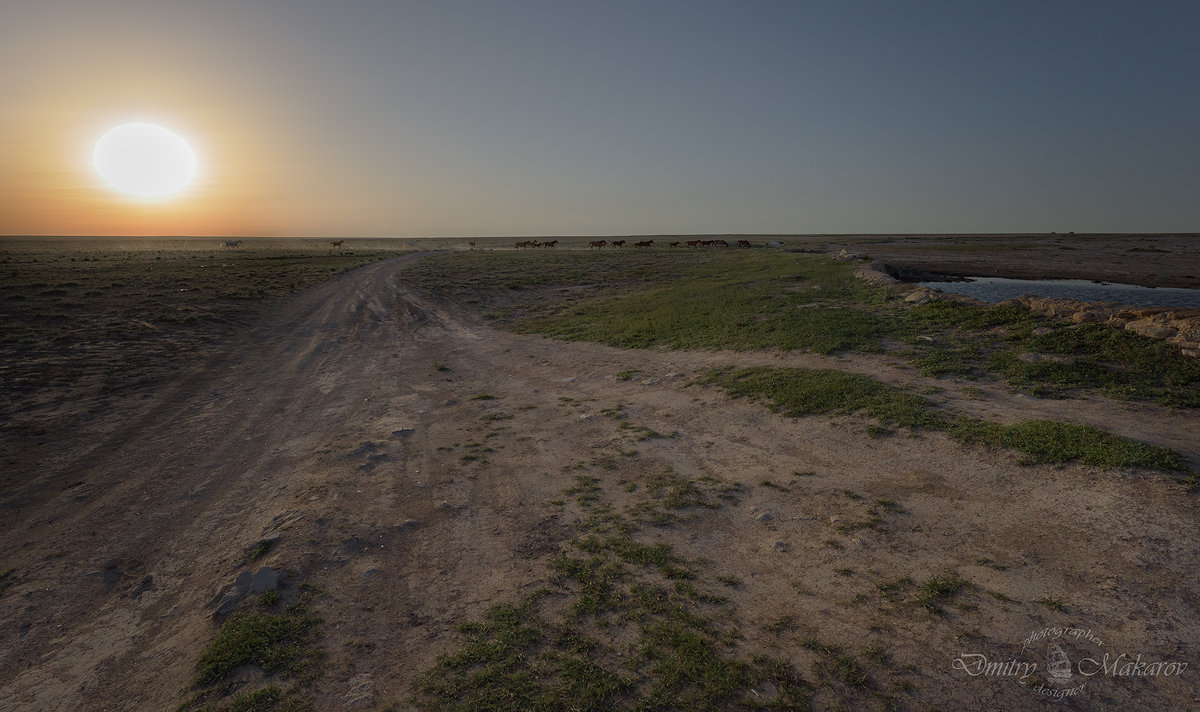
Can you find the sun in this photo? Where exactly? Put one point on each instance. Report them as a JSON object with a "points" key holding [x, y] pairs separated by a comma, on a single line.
{"points": [[144, 160]]}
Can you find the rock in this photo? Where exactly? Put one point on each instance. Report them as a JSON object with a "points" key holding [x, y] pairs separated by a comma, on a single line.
{"points": [[570, 379], [243, 583], [112, 564], [371, 572], [228, 603], [450, 402], [403, 432], [451, 507], [1151, 327], [227, 599], [779, 546], [406, 525], [763, 517], [1087, 316], [875, 274], [927, 339], [265, 579]]}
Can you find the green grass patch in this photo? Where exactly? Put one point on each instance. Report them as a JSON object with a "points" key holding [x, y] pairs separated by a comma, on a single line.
{"points": [[282, 646], [741, 301], [514, 660], [798, 392], [1051, 441], [937, 589]]}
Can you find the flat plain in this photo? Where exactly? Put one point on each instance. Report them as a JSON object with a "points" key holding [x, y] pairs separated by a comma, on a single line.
{"points": [[575, 478]]}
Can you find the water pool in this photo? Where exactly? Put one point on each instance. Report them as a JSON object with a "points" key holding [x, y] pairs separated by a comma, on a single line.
{"points": [[996, 289]]}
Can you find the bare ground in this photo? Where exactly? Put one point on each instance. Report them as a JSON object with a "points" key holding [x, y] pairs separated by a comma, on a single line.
{"points": [[329, 422]]}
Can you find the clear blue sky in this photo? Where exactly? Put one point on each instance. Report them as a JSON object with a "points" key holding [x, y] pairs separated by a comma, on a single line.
{"points": [[513, 118]]}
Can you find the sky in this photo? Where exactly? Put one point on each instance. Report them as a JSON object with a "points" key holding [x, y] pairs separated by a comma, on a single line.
{"points": [[454, 118]]}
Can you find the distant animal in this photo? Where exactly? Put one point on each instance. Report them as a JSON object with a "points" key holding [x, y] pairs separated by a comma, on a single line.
{"points": [[471, 244], [743, 243], [643, 243], [233, 243], [618, 243], [551, 243], [596, 244], [526, 243], [720, 243], [674, 244], [336, 243], [692, 243]]}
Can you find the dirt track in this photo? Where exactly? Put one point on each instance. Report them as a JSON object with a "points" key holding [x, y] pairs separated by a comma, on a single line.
{"points": [[330, 423]]}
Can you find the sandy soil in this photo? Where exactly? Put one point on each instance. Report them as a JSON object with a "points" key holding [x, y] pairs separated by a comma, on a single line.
{"points": [[328, 422]]}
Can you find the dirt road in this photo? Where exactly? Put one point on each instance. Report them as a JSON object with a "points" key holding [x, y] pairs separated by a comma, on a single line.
{"points": [[357, 406]]}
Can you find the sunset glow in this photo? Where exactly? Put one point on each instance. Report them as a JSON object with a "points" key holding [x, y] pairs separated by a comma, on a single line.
{"points": [[144, 160]]}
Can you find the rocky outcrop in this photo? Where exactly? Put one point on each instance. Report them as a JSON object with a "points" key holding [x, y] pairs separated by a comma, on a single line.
{"points": [[1177, 326]]}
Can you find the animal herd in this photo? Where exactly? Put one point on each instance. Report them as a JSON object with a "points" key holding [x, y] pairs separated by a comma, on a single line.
{"points": [[599, 244], [594, 244]]}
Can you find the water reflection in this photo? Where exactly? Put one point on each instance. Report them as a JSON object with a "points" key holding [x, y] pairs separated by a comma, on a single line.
{"points": [[995, 289]]}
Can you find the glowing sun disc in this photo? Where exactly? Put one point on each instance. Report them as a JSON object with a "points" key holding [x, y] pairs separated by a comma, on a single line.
{"points": [[144, 160]]}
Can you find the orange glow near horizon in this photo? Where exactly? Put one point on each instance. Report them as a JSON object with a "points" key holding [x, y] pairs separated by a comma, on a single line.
{"points": [[49, 185]]}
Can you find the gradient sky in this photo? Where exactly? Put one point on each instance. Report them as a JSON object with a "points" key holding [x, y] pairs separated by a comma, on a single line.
{"points": [[559, 117]]}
